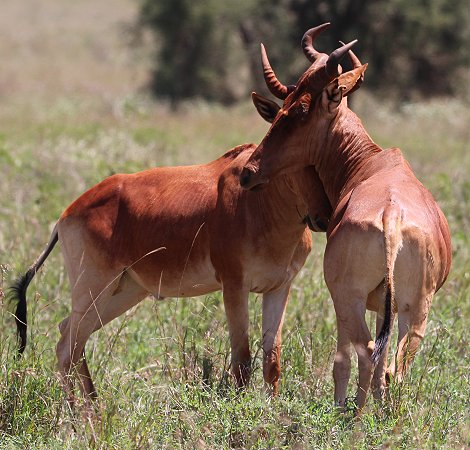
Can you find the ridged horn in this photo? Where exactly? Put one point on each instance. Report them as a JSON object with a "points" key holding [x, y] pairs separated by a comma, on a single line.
{"points": [[278, 89], [307, 41]]}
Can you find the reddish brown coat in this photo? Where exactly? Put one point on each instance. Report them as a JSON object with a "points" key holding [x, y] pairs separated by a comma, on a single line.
{"points": [[182, 232], [388, 246]]}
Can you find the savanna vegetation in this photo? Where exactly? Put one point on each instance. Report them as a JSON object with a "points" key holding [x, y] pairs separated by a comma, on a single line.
{"points": [[415, 49], [71, 113]]}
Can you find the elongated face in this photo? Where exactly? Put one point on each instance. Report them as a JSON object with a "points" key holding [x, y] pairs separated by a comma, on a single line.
{"points": [[300, 127], [286, 146]]}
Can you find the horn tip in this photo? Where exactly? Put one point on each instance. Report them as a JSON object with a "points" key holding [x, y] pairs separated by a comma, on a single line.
{"points": [[317, 29], [349, 44]]}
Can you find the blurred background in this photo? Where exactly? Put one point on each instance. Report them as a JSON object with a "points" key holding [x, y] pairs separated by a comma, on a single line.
{"points": [[182, 49], [211, 48]]}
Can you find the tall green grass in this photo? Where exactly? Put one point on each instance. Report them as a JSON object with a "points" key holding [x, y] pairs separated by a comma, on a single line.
{"points": [[161, 370]]}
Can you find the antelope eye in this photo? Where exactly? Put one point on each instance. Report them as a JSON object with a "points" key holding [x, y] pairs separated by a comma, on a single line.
{"points": [[304, 106], [301, 109]]}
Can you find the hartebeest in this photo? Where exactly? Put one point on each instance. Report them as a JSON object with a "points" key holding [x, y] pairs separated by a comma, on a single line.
{"points": [[182, 232], [388, 243]]}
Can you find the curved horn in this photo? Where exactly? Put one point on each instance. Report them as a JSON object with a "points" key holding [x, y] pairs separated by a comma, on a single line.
{"points": [[353, 58], [307, 41], [356, 63], [335, 58], [278, 89]]}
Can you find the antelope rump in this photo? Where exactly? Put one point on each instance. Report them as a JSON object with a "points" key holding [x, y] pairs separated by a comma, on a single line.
{"points": [[388, 243], [181, 232]]}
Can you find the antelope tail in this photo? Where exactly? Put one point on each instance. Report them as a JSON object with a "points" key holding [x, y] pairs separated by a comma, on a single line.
{"points": [[392, 241], [18, 291]]}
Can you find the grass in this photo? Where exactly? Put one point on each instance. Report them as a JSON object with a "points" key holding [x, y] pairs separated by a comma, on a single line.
{"points": [[162, 369]]}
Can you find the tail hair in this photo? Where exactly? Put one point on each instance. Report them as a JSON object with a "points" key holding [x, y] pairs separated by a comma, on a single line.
{"points": [[392, 242], [17, 292], [384, 335]]}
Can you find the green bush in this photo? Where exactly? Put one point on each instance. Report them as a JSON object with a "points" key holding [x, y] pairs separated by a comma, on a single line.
{"points": [[210, 49]]}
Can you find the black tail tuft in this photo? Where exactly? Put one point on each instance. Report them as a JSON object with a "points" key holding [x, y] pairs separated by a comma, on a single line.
{"points": [[18, 294], [18, 291], [382, 339]]}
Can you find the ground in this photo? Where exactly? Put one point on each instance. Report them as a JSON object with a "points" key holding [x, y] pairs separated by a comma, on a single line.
{"points": [[73, 109]]}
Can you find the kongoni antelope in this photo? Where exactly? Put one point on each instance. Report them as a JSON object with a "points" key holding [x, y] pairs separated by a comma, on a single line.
{"points": [[181, 232], [388, 243]]}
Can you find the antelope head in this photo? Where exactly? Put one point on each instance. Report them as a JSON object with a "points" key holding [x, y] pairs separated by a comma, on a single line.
{"points": [[308, 111]]}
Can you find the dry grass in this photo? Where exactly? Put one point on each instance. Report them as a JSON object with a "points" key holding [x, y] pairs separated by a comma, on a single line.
{"points": [[72, 113], [54, 47]]}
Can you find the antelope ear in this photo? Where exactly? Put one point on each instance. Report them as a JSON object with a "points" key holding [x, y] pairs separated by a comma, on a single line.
{"points": [[267, 108], [341, 87], [348, 80]]}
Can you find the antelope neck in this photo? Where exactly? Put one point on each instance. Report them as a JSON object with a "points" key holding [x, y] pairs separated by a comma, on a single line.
{"points": [[339, 160], [283, 207]]}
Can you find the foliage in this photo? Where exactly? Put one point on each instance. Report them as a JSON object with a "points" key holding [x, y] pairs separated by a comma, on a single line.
{"points": [[412, 47], [161, 369], [192, 48]]}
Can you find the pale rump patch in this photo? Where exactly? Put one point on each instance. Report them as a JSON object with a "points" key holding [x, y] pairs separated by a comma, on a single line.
{"points": [[388, 243]]}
